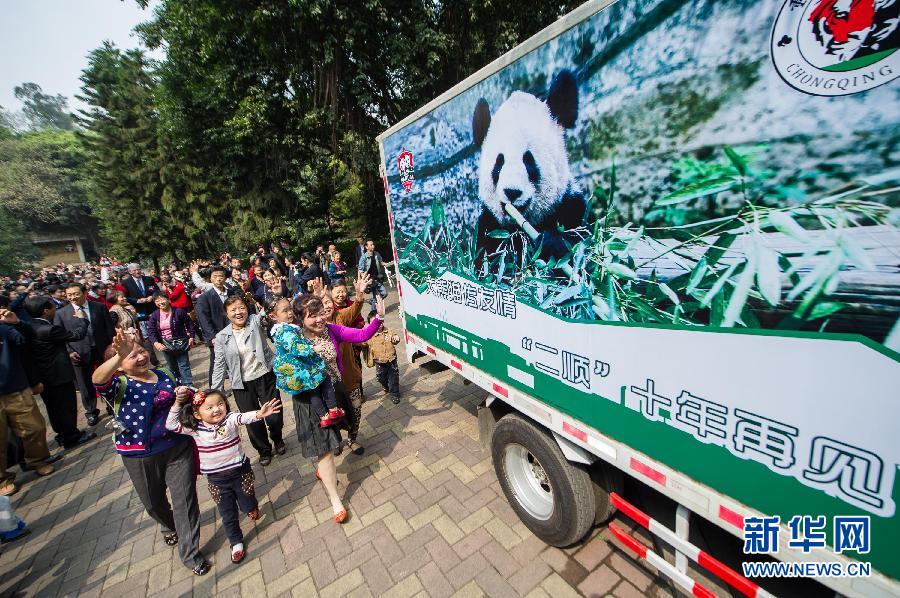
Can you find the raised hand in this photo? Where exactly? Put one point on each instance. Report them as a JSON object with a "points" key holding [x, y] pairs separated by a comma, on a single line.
{"points": [[123, 343], [316, 287], [361, 284], [8, 317], [379, 307], [270, 408]]}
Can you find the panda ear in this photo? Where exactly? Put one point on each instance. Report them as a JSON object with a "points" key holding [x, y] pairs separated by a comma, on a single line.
{"points": [[563, 99], [481, 120]]}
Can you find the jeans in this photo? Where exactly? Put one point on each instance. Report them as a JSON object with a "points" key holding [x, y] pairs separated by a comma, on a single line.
{"points": [[389, 377], [378, 290], [232, 490], [180, 364]]}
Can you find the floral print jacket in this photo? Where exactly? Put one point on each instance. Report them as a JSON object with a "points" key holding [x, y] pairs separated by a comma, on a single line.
{"points": [[297, 366]]}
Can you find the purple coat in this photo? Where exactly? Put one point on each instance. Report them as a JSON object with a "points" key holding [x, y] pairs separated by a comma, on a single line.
{"points": [[345, 334], [182, 325]]}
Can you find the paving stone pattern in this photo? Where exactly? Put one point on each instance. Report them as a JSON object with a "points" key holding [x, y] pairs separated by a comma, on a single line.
{"points": [[428, 518]]}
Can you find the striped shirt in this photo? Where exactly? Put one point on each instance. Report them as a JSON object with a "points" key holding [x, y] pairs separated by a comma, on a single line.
{"points": [[219, 446]]}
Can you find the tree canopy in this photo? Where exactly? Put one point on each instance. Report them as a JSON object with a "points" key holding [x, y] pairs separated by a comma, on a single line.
{"points": [[44, 111], [277, 104], [258, 124]]}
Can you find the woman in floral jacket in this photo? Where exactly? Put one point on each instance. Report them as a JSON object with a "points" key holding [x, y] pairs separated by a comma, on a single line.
{"points": [[306, 350]]}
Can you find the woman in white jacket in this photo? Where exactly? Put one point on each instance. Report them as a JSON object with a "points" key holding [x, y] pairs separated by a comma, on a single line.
{"points": [[244, 355]]}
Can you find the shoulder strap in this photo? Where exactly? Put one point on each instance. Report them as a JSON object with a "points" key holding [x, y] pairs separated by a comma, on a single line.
{"points": [[120, 394], [168, 373]]}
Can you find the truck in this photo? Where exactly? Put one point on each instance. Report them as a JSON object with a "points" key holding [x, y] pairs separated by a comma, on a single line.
{"points": [[663, 236]]}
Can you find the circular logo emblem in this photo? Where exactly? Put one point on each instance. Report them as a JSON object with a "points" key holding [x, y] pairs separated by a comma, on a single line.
{"points": [[837, 47]]}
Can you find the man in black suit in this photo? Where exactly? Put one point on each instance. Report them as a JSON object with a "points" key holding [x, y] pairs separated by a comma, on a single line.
{"points": [[210, 310], [140, 289], [50, 355], [87, 353]]}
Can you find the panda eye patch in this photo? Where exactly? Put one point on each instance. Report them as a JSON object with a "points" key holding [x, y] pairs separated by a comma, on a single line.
{"points": [[495, 173], [531, 167]]}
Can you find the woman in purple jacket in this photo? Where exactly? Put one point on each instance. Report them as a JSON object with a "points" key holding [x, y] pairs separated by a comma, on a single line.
{"points": [[309, 315], [171, 331]]}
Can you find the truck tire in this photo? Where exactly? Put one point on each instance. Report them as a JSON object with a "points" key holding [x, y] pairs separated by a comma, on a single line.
{"points": [[606, 479], [553, 497]]}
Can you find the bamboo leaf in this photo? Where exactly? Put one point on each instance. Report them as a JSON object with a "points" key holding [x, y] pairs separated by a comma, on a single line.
{"points": [[787, 225], [720, 282], [669, 293], [567, 293], [620, 270], [697, 275], [701, 189], [855, 253], [601, 308], [888, 176], [768, 275], [825, 309], [818, 275], [737, 160], [739, 296], [715, 253], [611, 299], [498, 234]]}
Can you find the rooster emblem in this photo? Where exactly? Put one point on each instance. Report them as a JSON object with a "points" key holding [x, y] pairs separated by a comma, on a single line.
{"points": [[849, 29]]}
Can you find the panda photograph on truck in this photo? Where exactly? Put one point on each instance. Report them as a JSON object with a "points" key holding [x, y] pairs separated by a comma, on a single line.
{"points": [[524, 164], [663, 235]]}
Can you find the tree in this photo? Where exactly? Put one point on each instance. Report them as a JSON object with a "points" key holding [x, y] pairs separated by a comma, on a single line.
{"points": [[120, 140], [277, 103], [16, 250], [42, 178], [151, 200], [44, 111]]}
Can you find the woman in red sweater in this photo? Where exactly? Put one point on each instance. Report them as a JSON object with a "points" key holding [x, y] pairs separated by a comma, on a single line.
{"points": [[176, 292]]}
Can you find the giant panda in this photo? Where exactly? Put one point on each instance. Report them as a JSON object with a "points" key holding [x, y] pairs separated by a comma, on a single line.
{"points": [[523, 161]]}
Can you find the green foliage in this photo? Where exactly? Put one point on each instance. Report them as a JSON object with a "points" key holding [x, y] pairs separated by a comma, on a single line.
{"points": [[43, 111], [42, 180], [16, 249], [277, 104], [120, 139]]}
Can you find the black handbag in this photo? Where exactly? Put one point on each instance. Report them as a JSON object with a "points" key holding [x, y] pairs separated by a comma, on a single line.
{"points": [[177, 345]]}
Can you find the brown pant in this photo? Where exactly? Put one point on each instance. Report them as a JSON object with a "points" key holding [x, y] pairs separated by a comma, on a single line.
{"points": [[19, 411]]}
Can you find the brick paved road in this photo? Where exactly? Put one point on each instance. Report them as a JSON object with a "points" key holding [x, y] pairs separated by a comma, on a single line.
{"points": [[428, 519]]}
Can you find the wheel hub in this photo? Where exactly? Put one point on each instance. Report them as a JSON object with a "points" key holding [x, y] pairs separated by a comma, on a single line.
{"points": [[529, 481]]}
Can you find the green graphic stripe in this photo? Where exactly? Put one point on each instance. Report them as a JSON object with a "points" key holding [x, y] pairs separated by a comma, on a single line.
{"points": [[749, 482], [858, 63], [768, 332]]}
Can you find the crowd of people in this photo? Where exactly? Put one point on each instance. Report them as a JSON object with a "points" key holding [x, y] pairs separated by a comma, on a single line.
{"points": [[277, 328]]}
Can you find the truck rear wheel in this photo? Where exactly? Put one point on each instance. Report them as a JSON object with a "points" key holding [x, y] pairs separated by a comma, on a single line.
{"points": [[553, 497]]}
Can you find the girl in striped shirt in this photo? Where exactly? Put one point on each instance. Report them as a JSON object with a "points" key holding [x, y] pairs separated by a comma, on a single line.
{"points": [[216, 430]]}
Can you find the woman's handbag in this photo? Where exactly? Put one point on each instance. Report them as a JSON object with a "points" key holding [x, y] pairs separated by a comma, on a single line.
{"points": [[177, 345]]}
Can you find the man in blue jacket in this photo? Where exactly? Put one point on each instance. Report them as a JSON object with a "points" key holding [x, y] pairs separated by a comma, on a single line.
{"points": [[18, 409], [373, 265]]}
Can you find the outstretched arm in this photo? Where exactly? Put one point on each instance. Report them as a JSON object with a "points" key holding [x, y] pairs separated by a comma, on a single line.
{"points": [[345, 334]]}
